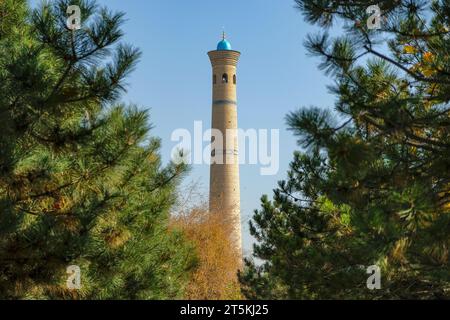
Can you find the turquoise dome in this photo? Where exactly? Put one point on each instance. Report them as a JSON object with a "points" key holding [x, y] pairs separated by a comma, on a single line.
{"points": [[224, 45]]}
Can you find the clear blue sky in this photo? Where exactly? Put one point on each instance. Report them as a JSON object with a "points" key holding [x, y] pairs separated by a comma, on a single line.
{"points": [[173, 77]]}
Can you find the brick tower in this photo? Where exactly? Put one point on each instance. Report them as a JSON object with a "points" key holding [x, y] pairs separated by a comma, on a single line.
{"points": [[224, 192]]}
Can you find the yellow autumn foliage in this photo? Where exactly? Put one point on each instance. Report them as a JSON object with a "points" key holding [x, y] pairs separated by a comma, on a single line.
{"points": [[215, 277], [409, 49], [428, 57]]}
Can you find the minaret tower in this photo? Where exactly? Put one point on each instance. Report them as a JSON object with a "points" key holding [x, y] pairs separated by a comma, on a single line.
{"points": [[224, 192]]}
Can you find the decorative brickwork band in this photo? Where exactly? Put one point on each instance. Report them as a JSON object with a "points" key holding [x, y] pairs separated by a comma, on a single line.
{"points": [[225, 102]]}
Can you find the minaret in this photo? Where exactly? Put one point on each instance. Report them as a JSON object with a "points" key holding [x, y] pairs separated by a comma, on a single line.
{"points": [[224, 192]]}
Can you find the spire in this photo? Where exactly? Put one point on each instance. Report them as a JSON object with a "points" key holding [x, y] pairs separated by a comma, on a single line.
{"points": [[224, 44]]}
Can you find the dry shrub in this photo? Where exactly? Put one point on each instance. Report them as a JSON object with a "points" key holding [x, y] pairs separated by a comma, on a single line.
{"points": [[215, 277]]}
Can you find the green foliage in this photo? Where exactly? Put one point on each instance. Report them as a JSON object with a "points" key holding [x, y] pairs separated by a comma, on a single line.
{"points": [[81, 181], [373, 189]]}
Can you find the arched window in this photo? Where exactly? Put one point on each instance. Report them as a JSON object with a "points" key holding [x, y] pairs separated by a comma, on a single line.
{"points": [[214, 79], [225, 78], [234, 79]]}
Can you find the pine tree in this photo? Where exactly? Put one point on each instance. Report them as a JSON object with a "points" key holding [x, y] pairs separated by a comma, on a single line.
{"points": [[371, 185], [81, 180]]}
